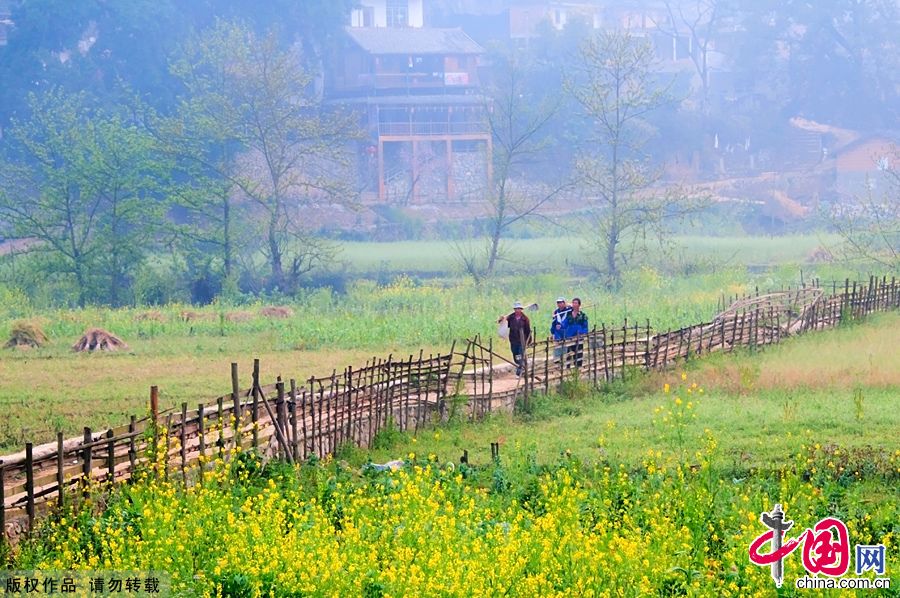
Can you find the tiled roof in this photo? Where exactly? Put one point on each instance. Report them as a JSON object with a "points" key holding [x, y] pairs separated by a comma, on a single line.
{"points": [[413, 40]]}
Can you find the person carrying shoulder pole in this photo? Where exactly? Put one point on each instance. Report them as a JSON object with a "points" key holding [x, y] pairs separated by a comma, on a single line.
{"points": [[519, 334]]}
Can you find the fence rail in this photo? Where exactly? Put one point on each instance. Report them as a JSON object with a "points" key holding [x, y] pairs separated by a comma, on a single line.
{"points": [[293, 420]]}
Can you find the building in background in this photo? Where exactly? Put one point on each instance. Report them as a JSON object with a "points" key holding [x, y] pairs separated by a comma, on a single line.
{"points": [[417, 92], [5, 21]]}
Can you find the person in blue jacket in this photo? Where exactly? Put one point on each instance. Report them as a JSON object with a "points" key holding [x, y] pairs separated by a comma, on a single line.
{"points": [[575, 325]]}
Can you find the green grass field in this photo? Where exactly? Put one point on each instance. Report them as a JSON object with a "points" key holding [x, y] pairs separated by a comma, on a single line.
{"points": [[652, 487], [546, 253], [187, 351], [838, 388]]}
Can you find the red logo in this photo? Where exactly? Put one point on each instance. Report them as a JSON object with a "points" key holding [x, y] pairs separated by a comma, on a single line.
{"points": [[826, 546]]}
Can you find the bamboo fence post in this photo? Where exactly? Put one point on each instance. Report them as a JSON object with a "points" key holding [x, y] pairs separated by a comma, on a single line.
{"points": [[373, 398], [624, 345], [778, 326], [60, 478], [235, 397], [546, 367], [306, 433], [592, 347], [322, 442], [110, 457], [220, 443], [404, 398], [201, 417], [531, 369], [279, 422], [743, 322], [756, 327], [845, 298], [722, 335], [3, 503], [476, 399], [733, 331], [350, 410], [418, 389], [491, 373], [29, 484], [610, 363], [666, 350], [132, 452], [254, 414], [376, 398], [166, 447], [422, 403], [183, 439], [331, 410], [154, 404], [86, 461], [387, 390], [154, 417], [647, 349], [563, 356], [295, 447], [687, 352]]}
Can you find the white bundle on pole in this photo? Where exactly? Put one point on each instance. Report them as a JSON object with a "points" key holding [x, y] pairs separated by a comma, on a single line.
{"points": [[503, 329]]}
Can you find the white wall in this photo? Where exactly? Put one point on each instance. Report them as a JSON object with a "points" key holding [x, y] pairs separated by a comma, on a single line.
{"points": [[380, 10], [415, 11]]}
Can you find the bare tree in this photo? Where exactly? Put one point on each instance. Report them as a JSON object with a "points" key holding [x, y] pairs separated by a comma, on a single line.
{"points": [[518, 117], [698, 21], [617, 88], [870, 226]]}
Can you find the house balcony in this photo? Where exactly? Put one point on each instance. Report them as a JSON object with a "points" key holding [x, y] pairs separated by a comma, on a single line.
{"points": [[405, 129]]}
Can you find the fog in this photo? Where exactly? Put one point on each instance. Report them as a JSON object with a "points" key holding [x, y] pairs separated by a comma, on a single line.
{"points": [[241, 144]]}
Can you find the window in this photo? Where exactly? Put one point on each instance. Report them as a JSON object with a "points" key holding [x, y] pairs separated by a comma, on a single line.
{"points": [[397, 13]]}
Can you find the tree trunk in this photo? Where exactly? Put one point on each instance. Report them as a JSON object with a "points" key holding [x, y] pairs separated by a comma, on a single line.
{"points": [[275, 253], [226, 235], [612, 268]]}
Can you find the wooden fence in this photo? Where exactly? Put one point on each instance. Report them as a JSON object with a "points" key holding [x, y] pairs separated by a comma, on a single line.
{"points": [[294, 420]]}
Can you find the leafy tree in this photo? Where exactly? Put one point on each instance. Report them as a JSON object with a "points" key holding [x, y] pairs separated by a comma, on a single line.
{"points": [[267, 136], [79, 184], [615, 85], [518, 117]]}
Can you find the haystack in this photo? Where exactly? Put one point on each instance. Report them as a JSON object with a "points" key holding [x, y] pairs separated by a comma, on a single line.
{"points": [[190, 316], [239, 316], [26, 335], [97, 339], [277, 311], [150, 316]]}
